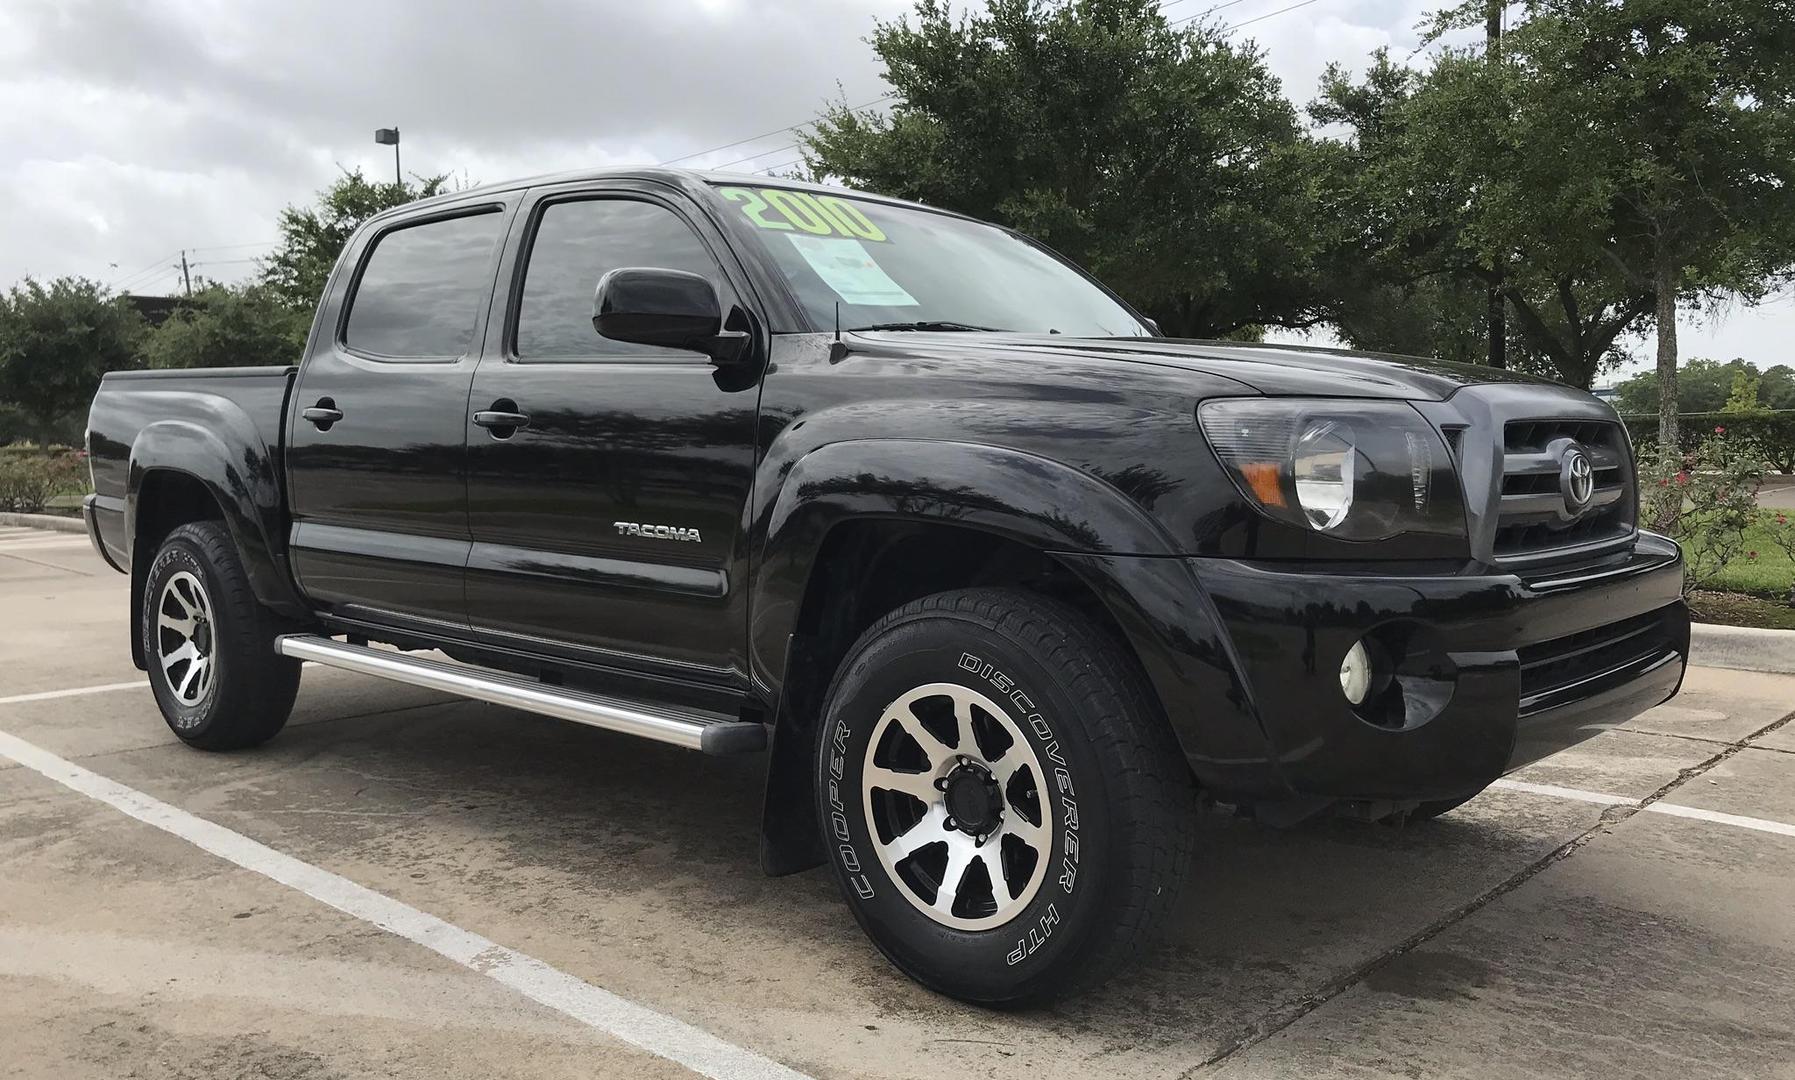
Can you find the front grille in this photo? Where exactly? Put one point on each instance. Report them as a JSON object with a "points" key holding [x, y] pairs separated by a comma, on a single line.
{"points": [[1551, 669], [1534, 522]]}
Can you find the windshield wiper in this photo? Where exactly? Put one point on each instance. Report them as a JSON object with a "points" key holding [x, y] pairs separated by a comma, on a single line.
{"points": [[928, 324]]}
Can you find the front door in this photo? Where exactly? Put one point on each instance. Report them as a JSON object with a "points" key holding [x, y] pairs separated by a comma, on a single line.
{"points": [[376, 441], [605, 514]]}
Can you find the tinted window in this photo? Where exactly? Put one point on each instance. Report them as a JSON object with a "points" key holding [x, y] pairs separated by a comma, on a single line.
{"points": [[421, 291], [576, 243]]}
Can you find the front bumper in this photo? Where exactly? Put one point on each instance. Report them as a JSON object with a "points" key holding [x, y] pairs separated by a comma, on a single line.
{"points": [[1487, 672]]}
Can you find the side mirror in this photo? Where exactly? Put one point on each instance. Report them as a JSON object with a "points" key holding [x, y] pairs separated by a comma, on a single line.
{"points": [[671, 308]]}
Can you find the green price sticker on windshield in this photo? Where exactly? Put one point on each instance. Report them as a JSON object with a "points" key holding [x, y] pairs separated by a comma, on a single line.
{"points": [[784, 210]]}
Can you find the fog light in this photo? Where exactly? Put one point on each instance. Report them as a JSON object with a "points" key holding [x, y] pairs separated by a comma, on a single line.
{"points": [[1355, 673]]}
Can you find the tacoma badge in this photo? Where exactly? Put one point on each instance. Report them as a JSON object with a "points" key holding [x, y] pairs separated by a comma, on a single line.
{"points": [[656, 532]]}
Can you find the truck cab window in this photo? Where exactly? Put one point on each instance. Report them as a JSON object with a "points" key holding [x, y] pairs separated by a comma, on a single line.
{"points": [[575, 244], [420, 292]]}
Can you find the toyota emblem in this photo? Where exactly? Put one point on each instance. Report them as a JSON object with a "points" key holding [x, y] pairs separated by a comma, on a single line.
{"points": [[1578, 480]]}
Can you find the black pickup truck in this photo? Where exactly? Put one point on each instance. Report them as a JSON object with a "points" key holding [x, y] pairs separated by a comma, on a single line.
{"points": [[1001, 581]]}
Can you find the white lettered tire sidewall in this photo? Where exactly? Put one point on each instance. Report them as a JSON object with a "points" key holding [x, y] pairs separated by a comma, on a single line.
{"points": [[187, 721], [1007, 962]]}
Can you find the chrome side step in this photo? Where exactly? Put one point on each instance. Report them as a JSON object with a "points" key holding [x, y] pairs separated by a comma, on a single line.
{"points": [[712, 733]]}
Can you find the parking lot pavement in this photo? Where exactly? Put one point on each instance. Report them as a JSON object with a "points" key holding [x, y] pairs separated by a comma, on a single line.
{"points": [[1526, 934]]}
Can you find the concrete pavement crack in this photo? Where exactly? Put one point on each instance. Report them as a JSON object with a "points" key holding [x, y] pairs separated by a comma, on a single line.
{"points": [[1291, 1012], [1710, 742]]}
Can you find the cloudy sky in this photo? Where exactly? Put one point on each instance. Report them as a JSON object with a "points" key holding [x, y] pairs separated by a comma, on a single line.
{"points": [[132, 130]]}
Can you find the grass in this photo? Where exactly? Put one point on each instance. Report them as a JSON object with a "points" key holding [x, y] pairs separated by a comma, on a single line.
{"points": [[1770, 576]]}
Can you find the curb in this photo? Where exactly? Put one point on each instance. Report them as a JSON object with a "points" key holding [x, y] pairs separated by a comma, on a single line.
{"points": [[1742, 648], [52, 522]]}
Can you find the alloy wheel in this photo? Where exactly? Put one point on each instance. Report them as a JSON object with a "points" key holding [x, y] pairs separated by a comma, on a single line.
{"points": [[957, 805], [185, 638]]}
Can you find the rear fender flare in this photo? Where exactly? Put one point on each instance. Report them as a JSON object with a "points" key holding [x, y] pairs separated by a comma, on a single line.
{"points": [[229, 459]]}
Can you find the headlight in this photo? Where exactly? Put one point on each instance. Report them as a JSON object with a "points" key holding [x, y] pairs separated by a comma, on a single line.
{"points": [[1357, 470]]}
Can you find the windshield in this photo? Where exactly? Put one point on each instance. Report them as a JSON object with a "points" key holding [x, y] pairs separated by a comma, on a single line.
{"points": [[891, 267]]}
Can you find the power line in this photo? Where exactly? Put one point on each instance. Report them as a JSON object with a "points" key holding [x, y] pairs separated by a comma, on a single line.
{"points": [[887, 97], [1206, 11], [1267, 15], [770, 134], [116, 282], [758, 156], [153, 270], [771, 169], [232, 247]]}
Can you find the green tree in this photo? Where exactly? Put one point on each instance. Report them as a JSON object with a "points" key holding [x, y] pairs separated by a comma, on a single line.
{"points": [[1429, 174], [227, 326], [1743, 397], [1165, 159], [1670, 123], [311, 237], [55, 343], [1705, 386], [1776, 388]]}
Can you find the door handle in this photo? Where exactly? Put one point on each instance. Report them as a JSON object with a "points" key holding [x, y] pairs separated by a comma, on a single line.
{"points": [[323, 414], [503, 419]]}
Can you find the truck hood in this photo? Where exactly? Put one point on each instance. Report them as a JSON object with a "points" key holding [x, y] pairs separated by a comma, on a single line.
{"points": [[1274, 370]]}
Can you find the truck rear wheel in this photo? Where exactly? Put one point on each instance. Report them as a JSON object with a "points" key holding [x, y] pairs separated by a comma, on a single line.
{"points": [[1003, 804], [209, 644]]}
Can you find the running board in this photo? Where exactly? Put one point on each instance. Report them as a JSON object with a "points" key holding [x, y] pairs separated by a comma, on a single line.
{"points": [[712, 733]]}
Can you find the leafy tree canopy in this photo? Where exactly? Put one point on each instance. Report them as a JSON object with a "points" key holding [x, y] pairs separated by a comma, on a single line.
{"points": [[1658, 137], [228, 326], [311, 237], [1707, 385], [1166, 160], [1439, 231], [56, 341]]}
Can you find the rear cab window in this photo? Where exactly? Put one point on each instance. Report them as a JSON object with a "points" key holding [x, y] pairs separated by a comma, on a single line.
{"points": [[421, 288]]}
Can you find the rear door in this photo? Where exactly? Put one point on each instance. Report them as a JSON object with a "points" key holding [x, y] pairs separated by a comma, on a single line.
{"points": [[376, 443], [606, 529]]}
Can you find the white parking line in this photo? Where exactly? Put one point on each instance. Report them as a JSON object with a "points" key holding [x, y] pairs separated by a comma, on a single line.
{"points": [[79, 691], [1737, 820], [10, 543], [1557, 792], [1695, 813], [635, 1024]]}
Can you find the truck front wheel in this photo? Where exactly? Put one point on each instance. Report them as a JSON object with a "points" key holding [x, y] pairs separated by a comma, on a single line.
{"points": [[209, 644], [1003, 804]]}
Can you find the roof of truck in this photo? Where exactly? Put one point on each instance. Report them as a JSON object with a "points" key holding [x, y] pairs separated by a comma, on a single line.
{"points": [[685, 178]]}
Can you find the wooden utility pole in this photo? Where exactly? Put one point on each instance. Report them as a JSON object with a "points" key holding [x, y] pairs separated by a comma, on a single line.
{"points": [[186, 276], [1496, 311]]}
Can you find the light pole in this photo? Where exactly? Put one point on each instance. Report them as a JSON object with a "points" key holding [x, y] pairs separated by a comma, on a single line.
{"points": [[390, 137]]}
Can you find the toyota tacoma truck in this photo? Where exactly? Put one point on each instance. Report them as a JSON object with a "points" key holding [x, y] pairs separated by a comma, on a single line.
{"points": [[1001, 582]]}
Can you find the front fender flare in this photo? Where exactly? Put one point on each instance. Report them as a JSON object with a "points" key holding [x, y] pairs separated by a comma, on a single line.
{"points": [[1045, 504]]}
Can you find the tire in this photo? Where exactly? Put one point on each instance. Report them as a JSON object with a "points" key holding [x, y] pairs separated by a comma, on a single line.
{"points": [[231, 690], [1092, 849]]}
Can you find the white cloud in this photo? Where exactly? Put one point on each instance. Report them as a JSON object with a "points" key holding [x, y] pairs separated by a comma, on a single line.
{"points": [[130, 129]]}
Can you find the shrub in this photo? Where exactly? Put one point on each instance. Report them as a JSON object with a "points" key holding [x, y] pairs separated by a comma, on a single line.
{"points": [[28, 481], [1773, 430], [1704, 498], [1780, 524]]}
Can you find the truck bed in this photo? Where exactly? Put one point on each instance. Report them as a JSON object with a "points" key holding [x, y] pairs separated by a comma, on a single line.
{"points": [[239, 412]]}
